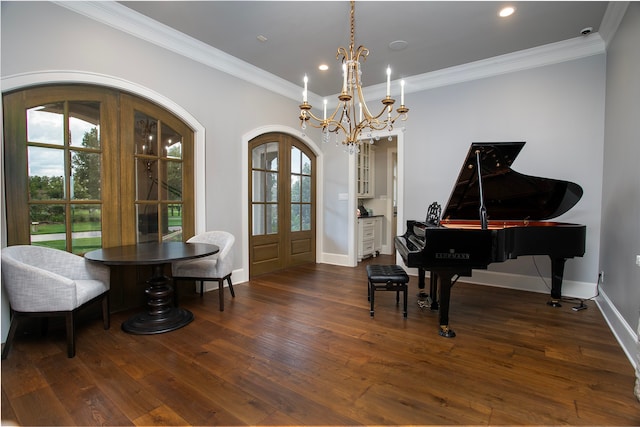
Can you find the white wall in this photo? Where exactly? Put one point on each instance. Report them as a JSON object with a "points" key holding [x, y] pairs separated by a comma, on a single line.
{"points": [[620, 237], [43, 37], [557, 109]]}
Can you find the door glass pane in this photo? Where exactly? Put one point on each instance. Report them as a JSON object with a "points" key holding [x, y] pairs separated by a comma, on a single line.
{"points": [[86, 228], [174, 223], [306, 189], [146, 179], [295, 217], [147, 222], [145, 137], [272, 219], [295, 160], [48, 226], [258, 220], [305, 217], [272, 187], [46, 173], [85, 175], [45, 124], [295, 188], [171, 142], [84, 124], [258, 186], [306, 164], [171, 187]]}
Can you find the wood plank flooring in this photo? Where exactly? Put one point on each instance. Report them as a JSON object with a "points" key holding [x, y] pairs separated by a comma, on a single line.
{"points": [[299, 348]]}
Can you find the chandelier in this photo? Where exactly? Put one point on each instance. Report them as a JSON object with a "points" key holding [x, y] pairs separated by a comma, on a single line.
{"points": [[352, 116]]}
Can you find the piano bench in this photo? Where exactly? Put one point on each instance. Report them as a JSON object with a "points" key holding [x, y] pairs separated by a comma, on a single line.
{"points": [[387, 278]]}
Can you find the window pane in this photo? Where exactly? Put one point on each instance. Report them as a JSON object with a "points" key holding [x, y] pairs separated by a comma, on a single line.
{"points": [[86, 228], [172, 217], [48, 226], [145, 137], [306, 189], [305, 218], [45, 124], [306, 164], [272, 219], [172, 187], [84, 124], [295, 188], [257, 157], [258, 220], [295, 160], [85, 175], [147, 179], [171, 142], [272, 187], [271, 156], [46, 173], [295, 217], [147, 223], [258, 186]]}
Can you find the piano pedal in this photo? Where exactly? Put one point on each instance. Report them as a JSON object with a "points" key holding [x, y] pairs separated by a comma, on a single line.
{"points": [[554, 303]]}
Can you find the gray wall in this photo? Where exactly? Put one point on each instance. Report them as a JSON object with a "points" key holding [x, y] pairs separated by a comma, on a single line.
{"points": [[620, 236], [558, 109]]}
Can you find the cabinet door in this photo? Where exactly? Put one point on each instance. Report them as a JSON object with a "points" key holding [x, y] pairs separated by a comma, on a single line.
{"points": [[365, 170]]}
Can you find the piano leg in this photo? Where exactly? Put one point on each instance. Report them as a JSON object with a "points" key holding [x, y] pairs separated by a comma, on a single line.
{"points": [[431, 298], [557, 273], [444, 279]]}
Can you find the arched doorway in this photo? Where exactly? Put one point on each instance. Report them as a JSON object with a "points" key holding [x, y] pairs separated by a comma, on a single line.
{"points": [[282, 203]]}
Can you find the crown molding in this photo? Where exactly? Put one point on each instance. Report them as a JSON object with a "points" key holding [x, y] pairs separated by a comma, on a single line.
{"points": [[611, 19], [131, 22]]}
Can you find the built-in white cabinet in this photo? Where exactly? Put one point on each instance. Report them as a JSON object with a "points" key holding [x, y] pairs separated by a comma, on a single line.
{"points": [[369, 236], [365, 169]]}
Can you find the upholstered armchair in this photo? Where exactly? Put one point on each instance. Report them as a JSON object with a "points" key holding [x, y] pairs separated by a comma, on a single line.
{"points": [[45, 282], [217, 267]]}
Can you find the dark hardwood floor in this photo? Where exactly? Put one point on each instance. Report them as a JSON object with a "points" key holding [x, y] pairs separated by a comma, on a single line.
{"points": [[299, 348]]}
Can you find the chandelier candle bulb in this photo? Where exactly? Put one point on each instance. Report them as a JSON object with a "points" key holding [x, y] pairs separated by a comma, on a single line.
{"points": [[304, 93], [388, 82], [344, 78]]}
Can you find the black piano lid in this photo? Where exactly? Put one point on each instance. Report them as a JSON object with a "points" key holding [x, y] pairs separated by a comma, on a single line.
{"points": [[508, 195]]}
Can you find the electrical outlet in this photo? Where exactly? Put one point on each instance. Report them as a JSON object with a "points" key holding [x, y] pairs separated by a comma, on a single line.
{"points": [[638, 260]]}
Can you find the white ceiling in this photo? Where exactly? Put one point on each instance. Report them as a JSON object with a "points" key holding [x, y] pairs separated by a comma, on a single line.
{"points": [[302, 34]]}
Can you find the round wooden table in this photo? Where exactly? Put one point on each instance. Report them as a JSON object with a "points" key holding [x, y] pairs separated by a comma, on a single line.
{"points": [[161, 315]]}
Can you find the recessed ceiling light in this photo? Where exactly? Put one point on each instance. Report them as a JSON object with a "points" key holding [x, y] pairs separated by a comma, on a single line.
{"points": [[323, 67], [398, 45], [262, 38], [507, 11]]}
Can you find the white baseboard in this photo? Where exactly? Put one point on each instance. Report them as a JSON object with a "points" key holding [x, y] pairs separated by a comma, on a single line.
{"points": [[624, 333]]}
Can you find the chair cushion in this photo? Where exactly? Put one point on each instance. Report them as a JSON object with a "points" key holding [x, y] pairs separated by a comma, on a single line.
{"points": [[200, 267]]}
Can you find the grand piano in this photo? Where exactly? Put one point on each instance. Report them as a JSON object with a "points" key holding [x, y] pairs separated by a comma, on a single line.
{"points": [[494, 214]]}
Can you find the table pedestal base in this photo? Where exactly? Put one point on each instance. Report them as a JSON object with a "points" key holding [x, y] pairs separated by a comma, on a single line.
{"points": [[161, 315], [147, 324]]}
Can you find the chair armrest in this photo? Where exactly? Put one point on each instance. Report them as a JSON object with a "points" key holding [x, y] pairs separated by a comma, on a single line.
{"points": [[33, 289]]}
